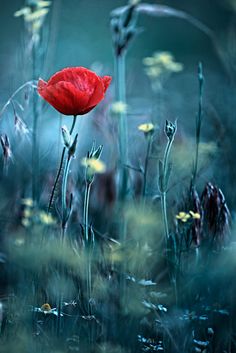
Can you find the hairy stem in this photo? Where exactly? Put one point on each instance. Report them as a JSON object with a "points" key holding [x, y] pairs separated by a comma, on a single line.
{"points": [[60, 167]]}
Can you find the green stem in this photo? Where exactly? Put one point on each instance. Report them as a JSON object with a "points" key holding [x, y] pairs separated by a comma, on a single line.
{"points": [[198, 125], [35, 149], [88, 243], [123, 145], [86, 210], [63, 196], [163, 193], [60, 167], [146, 165]]}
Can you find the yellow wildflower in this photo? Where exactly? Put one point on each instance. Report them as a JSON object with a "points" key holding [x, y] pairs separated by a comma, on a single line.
{"points": [[33, 16], [148, 127], [46, 307], [119, 107], [95, 165], [27, 202], [195, 215], [46, 218], [27, 213], [183, 216], [25, 222], [22, 12]]}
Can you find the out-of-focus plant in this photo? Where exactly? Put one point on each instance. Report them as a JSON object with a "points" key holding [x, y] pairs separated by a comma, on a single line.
{"points": [[34, 14], [148, 129], [159, 68], [93, 165], [123, 27], [164, 172], [216, 217]]}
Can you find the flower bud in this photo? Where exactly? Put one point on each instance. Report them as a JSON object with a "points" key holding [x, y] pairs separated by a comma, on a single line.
{"points": [[170, 129], [66, 136], [72, 148]]}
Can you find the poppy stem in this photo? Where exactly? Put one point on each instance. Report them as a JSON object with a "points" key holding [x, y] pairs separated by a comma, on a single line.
{"points": [[60, 168]]}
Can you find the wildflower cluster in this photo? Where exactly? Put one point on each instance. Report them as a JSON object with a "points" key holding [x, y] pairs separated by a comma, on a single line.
{"points": [[185, 216]]}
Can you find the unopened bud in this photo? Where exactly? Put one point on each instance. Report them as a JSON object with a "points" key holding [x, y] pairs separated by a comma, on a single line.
{"points": [[72, 148], [170, 129], [66, 136]]}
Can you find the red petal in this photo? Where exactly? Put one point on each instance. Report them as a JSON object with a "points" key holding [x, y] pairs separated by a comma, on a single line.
{"points": [[82, 78], [106, 81], [65, 98], [74, 90]]}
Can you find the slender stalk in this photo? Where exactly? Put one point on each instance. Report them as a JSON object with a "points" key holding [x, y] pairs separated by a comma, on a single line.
{"points": [[63, 196], [163, 193], [88, 243], [86, 210], [28, 83], [198, 124], [60, 167], [146, 165], [123, 145]]}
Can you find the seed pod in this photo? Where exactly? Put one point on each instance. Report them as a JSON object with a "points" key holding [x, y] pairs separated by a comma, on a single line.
{"points": [[216, 215]]}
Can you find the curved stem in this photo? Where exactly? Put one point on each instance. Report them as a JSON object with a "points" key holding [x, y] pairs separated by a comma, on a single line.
{"points": [[60, 167], [28, 83]]}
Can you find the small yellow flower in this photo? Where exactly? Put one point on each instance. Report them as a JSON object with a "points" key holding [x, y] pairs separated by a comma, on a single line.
{"points": [[27, 202], [33, 16], [195, 215], [183, 216], [27, 213], [164, 58], [95, 165], [119, 107], [46, 307], [149, 61], [25, 222], [154, 71], [46, 218], [43, 3], [148, 127], [22, 12]]}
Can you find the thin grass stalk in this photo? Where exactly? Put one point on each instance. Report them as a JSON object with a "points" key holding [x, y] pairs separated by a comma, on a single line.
{"points": [[63, 197], [146, 165], [60, 167], [163, 193], [87, 242], [35, 144], [198, 124]]}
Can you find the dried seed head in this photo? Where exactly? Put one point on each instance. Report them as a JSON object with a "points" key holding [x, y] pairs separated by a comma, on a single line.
{"points": [[170, 129], [20, 127], [216, 214], [5, 142]]}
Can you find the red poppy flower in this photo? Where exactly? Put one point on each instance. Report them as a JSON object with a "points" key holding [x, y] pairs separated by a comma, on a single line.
{"points": [[74, 90]]}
